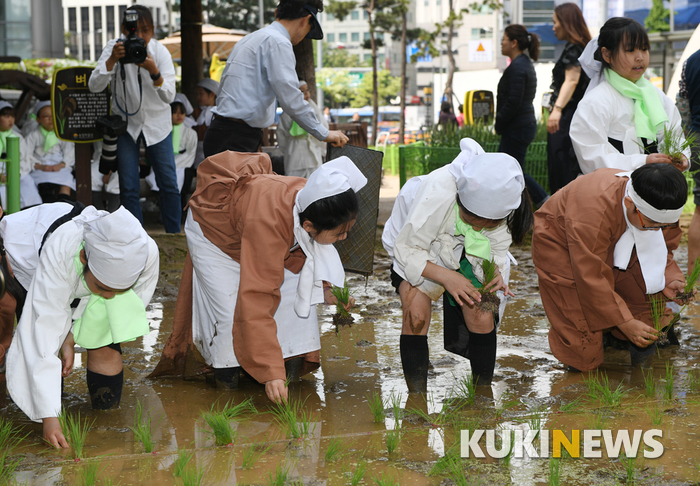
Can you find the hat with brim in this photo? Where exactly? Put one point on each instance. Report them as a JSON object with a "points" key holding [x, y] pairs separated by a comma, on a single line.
{"points": [[316, 32]]}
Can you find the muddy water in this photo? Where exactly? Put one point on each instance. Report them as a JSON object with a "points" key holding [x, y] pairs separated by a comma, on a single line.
{"points": [[359, 362]]}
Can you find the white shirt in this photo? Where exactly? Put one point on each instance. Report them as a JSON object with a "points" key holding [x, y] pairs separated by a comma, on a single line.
{"points": [[303, 153], [261, 67], [154, 118], [605, 113], [33, 365]]}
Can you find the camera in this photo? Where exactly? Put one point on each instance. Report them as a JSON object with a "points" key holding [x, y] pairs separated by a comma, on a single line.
{"points": [[134, 46], [111, 126]]}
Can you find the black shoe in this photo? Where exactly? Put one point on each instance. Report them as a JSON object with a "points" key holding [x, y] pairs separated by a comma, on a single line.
{"points": [[414, 360]]}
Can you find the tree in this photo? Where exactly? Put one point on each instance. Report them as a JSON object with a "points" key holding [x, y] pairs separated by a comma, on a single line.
{"points": [[238, 14], [336, 58], [337, 86], [657, 20], [384, 87]]}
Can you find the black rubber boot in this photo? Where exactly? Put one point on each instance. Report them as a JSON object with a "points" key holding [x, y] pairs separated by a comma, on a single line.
{"points": [[227, 378], [293, 367], [482, 356], [414, 360], [105, 391], [638, 356]]}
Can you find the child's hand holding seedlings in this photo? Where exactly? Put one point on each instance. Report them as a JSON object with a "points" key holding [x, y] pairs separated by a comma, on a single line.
{"points": [[673, 288], [498, 284], [329, 298], [460, 287], [639, 333]]}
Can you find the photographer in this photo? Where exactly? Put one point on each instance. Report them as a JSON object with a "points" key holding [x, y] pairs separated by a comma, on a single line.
{"points": [[143, 86]]}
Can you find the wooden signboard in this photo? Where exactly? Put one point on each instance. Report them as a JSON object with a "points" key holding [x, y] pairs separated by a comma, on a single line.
{"points": [[75, 110]]}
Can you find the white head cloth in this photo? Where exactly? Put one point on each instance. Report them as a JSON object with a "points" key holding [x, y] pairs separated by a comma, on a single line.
{"points": [[489, 185], [590, 66], [322, 261], [181, 98], [652, 260], [117, 248], [40, 105], [302, 83], [332, 178], [4, 104]]}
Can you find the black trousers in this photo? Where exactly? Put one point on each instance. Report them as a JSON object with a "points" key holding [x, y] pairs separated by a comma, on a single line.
{"points": [[225, 134], [562, 165]]}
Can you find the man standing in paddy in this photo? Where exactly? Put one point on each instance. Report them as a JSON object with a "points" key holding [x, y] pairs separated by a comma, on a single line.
{"points": [[260, 69]]}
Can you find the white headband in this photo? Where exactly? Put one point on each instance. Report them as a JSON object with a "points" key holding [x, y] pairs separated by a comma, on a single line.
{"points": [[590, 66], [332, 178], [490, 185], [40, 105], [181, 98], [657, 215]]}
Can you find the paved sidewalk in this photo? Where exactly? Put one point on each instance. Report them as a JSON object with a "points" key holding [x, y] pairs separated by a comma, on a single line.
{"points": [[387, 195]]}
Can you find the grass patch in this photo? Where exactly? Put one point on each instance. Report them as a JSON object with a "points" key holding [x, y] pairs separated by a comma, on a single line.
{"points": [[10, 438], [630, 467], [385, 480], [220, 426], [335, 450], [649, 382], [192, 476], [142, 428], [395, 404], [392, 439], [293, 418], [465, 389], [444, 464], [252, 454], [377, 406], [359, 472], [234, 411], [75, 430], [655, 414], [88, 473], [281, 475], [599, 388], [183, 459]]}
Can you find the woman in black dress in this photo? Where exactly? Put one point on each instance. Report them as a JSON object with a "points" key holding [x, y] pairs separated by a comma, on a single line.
{"points": [[515, 114], [569, 84]]}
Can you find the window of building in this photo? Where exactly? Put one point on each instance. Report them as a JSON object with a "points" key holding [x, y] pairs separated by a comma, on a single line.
{"points": [[365, 15], [355, 37], [72, 20], [330, 16], [368, 58], [330, 37], [109, 13], [73, 29], [342, 37], [438, 3], [427, 3], [365, 36], [85, 32], [122, 9], [486, 33], [97, 20], [355, 15]]}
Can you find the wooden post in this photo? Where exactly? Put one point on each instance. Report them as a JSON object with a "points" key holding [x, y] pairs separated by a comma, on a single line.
{"points": [[191, 47]]}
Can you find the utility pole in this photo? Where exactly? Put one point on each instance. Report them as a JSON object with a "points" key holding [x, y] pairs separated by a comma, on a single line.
{"points": [[260, 14]]}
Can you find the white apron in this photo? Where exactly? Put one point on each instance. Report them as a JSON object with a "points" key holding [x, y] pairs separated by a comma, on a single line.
{"points": [[214, 302]]}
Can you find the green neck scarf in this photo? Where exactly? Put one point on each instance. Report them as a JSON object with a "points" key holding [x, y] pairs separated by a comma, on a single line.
{"points": [[3, 139], [50, 138], [649, 112], [296, 130], [106, 321], [177, 131], [475, 243]]}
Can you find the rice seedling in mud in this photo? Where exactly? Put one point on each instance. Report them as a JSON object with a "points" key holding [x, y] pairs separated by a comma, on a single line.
{"points": [[649, 382], [392, 439], [600, 389], [88, 473], [489, 300], [359, 472], [668, 382], [508, 436], [444, 464], [376, 405], [690, 280], [385, 480], [252, 454], [192, 475], [142, 428], [457, 473], [395, 404], [445, 416], [341, 317], [655, 414], [465, 389], [293, 418], [598, 421], [220, 426], [505, 402], [658, 306], [75, 430], [535, 418], [10, 438], [183, 459], [674, 143], [631, 468], [554, 478], [692, 381], [335, 450], [281, 476], [234, 411], [573, 406]]}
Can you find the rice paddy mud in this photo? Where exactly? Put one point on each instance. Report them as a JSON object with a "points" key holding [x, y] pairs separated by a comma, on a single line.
{"points": [[329, 435]]}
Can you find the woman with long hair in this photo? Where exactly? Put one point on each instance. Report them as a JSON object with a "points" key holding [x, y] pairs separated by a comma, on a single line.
{"points": [[515, 114], [569, 84]]}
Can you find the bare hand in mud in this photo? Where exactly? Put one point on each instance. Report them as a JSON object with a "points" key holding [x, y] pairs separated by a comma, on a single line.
{"points": [[330, 299], [674, 288], [276, 391], [53, 433], [461, 289], [498, 284], [638, 332]]}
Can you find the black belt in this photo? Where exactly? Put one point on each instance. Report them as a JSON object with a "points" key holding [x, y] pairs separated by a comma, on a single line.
{"points": [[235, 120]]}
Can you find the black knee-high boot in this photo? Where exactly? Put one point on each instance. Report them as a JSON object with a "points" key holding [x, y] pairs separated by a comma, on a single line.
{"points": [[414, 359], [105, 391], [482, 356], [227, 378]]}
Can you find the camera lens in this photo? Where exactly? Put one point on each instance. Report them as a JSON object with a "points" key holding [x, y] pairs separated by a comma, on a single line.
{"points": [[139, 54]]}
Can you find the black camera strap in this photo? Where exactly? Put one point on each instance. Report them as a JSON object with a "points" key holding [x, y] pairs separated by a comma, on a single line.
{"points": [[116, 100]]}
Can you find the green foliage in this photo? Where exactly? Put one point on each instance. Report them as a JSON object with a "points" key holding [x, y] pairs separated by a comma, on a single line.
{"points": [[489, 268], [572, 406], [220, 426], [674, 142], [649, 382], [511, 446], [340, 9], [554, 478], [657, 20], [192, 476], [465, 389], [395, 403], [388, 87], [668, 383], [658, 306], [238, 14], [377, 405], [293, 418], [75, 431], [340, 58], [342, 294], [10, 438], [252, 454], [692, 277], [281, 475], [183, 459], [392, 439], [444, 464], [45, 67], [233, 411], [599, 388], [337, 86], [385, 480], [335, 450], [142, 428], [655, 414], [88, 473], [359, 472], [505, 402], [692, 381]]}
